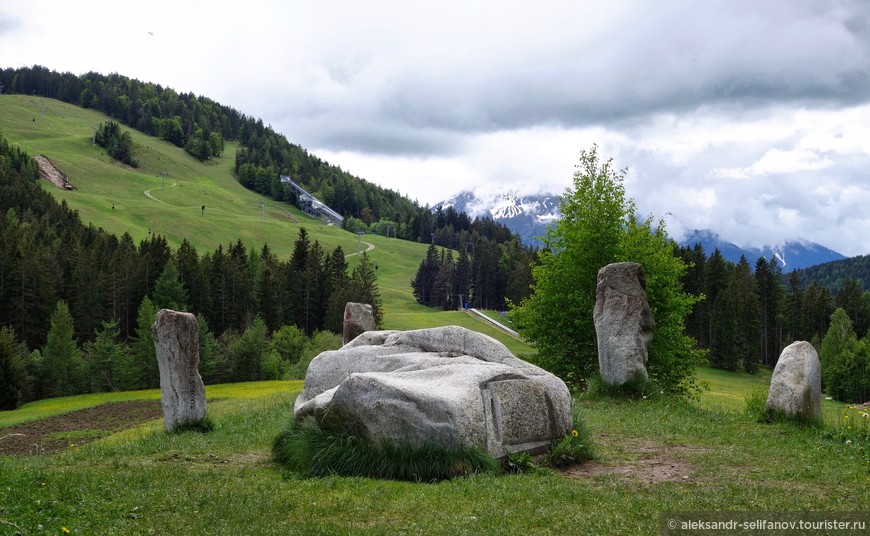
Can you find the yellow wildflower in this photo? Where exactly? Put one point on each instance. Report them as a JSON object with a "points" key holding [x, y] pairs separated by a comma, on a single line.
{"points": [[574, 433], [64, 530]]}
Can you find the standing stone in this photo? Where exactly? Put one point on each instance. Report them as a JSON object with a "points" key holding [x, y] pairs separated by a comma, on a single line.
{"points": [[176, 341], [796, 384], [623, 323], [358, 318]]}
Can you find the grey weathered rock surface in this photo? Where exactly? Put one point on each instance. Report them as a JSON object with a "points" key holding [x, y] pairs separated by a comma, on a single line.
{"points": [[358, 318], [176, 341], [623, 322], [796, 384], [448, 386]]}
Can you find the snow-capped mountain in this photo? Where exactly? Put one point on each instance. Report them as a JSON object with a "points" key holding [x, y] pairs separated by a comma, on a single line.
{"points": [[529, 216], [526, 215], [792, 255]]}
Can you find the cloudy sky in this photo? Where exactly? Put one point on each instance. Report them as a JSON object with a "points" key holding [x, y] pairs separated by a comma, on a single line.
{"points": [[749, 118]]}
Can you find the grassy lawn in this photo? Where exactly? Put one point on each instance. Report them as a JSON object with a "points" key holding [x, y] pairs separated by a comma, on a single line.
{"points": [[232, 212], [651, 457]]}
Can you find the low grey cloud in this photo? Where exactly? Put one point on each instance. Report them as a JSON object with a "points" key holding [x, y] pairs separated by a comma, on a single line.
{"points": [[8, 23], [749, 118]]}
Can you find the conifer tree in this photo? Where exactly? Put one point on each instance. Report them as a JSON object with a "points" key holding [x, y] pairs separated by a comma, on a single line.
{"points": [[424, 280], [15, 382], [168, 290], [364, 287], [144, 373], [61, 356], [107, 364], [442, 295]]}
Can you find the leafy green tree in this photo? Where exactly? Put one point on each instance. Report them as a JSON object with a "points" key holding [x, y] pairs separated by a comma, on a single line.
{"points": [[61, 356], [169, 293], [289, 342], [672, 354], [598, 227], [845, 361], [15, 382], [557, 317]]}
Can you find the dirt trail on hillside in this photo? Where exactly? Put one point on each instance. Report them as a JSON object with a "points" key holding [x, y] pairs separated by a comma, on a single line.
{"points": [[49, 172]]}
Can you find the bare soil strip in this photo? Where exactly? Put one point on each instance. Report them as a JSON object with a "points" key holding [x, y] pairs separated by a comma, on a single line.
{"points": [[49, 172], [54, 434]]}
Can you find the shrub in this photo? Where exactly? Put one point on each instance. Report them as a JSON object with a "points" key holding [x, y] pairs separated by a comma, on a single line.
{"points": [[202, 426], [320, 342], [572, 449], [636, 389], [306, 449]]}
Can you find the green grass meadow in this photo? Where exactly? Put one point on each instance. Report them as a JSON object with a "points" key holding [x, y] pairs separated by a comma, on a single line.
{"points": [[651, 456], [62, 132]]}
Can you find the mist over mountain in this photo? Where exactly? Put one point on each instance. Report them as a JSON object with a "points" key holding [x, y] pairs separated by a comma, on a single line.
{"points": [[529, 216]]}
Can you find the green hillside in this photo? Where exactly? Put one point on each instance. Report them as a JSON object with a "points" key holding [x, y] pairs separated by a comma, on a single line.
{"points": [[123, 199]]}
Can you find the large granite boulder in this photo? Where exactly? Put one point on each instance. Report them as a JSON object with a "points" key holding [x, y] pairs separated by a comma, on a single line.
{"points": [[358, 318], [176, 341], [624, 323], [447, 386], [796, 384]]}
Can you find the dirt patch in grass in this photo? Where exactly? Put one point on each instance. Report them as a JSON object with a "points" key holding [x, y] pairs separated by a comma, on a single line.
{"points": [[657, 463], [54, 434], [49, 172]]}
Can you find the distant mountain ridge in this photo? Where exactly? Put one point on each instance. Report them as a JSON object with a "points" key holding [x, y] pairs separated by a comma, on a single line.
{"points": [[791, 255], [529, 216]]}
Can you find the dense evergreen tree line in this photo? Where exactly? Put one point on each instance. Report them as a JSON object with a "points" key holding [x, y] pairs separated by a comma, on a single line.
{"points": [[118, 144], [749, 315], [101, 292], [201, 125], [488, 275], [835, 274], [183, 119]]}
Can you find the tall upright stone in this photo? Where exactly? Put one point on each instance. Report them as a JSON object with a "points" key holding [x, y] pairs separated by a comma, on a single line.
{"points": [[623, 323], [176, 342], [796, 384], [358, 318]]}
